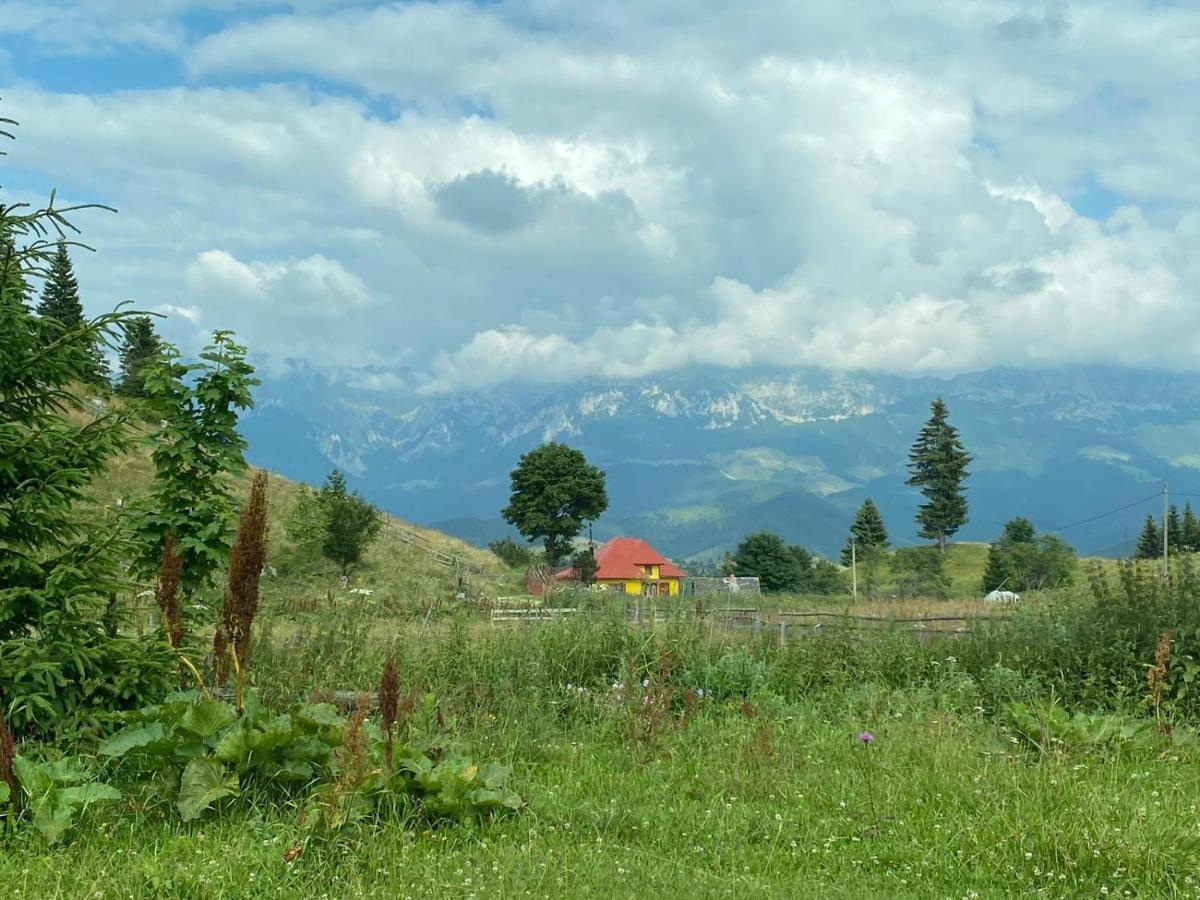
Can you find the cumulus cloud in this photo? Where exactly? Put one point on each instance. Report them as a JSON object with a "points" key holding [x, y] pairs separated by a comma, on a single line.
{"points": [[552, 191]]}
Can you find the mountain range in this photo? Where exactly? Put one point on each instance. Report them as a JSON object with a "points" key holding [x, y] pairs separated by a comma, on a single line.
{"points": [[698, 458]]}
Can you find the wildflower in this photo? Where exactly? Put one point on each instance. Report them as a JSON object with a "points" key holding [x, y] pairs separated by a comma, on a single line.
{"points": [[866, 737]]}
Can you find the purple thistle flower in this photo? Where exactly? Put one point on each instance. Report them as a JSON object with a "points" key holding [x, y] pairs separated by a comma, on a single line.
{"points": [[866, 737]]}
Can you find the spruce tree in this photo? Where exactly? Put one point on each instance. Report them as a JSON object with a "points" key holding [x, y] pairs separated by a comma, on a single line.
{"points": [[139, 348], [1174, 529], [1191, 529], [997, 574], [1149, 544], [868, 531], [937, 465], [60, 302], [60, 293]]}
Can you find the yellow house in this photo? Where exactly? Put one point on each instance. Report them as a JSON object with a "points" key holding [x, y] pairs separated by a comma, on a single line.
{"points": [[633, 566]]}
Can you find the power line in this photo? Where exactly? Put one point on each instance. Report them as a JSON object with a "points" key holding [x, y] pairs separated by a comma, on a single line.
{"points": [[1111, 512]]}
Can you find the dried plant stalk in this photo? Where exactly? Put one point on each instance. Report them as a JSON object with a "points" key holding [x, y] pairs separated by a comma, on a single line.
{"points": [[8, 753], [166, 590], [389, 704], [246, 561]]}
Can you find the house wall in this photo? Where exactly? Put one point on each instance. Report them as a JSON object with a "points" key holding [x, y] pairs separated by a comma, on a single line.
{"points": [[632, 586]]}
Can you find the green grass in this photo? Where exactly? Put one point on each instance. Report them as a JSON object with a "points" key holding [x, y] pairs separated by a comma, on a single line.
{"points": [[770, 804]]}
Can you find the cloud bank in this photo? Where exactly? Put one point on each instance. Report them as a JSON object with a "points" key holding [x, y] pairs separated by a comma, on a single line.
{"points": [[553, 190]]}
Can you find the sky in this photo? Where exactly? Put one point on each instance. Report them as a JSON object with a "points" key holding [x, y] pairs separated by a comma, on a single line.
{"points": [[468, 195]]}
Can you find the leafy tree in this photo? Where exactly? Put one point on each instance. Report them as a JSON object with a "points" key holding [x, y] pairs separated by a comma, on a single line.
{"points": [[195, 451], [1149, 543], [554, 492], [1191, 529], [60, 302], [825, 578], [1174, 529], [728, 566], [60, 668], [585, 565], [765, 555], [1022, 560], [140, 347], [351, 522], [937, 465], [920, 572], [867, 531]]}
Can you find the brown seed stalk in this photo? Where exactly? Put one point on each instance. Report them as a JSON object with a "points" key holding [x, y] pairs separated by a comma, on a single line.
{"points": [[246, 561], [8, 753], [166, 589], [389, 703]]}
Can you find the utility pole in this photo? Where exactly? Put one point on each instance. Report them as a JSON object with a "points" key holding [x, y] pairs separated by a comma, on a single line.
{"points": [[854, 566], [1166, 570]]}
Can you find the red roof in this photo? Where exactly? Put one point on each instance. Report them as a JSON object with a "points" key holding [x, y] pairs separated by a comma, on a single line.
{"points": [[621, 557]]}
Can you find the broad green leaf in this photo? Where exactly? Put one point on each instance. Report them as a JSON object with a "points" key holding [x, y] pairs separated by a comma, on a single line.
{"points": [[5, 792], [323, 715], [235, 746], [203, 783], [494, 775], [132, 737], [31, 776], [86, 794], [208, 717]]}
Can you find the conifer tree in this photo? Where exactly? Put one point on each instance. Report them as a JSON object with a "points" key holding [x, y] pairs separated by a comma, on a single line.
{"points": [[868, 531], [937, 465], [1191, 529], [139, 348], [1174, 529], [1149, 545], [60, 293], [60, 302]]}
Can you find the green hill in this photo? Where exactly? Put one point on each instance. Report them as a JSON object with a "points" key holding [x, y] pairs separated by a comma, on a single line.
{"points": [[407, 568]]}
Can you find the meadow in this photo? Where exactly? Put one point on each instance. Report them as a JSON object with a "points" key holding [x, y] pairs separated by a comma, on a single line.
{"points": [[1022, 758]]}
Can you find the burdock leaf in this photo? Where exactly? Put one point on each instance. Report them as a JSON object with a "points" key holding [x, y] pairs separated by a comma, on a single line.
{"points": [[203, 783]]}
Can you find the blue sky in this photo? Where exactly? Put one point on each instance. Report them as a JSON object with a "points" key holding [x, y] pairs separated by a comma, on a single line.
{"points": [[473, 194]]}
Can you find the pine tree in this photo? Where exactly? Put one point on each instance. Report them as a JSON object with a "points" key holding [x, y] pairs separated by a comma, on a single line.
{"points": [[1191, 529], [937, 465], [60, 293], [13, 281], [1149, 545], [868, 531], [60, 302], [1174, 529], [140, 347]]}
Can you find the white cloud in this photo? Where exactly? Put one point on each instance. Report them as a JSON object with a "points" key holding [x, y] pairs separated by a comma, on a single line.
{"points": [[553, 190]]}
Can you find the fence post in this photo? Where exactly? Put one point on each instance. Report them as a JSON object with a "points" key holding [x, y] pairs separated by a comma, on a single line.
{"points": [[782, 632]]}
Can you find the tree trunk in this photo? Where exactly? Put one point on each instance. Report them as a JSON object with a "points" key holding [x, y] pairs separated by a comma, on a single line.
{"points": [[942, 541]]}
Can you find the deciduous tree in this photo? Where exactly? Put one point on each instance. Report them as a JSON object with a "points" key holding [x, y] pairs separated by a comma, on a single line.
{"points": [[555, 492]]}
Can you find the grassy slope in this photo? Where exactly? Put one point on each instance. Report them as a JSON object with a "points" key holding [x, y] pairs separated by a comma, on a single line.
{"points": [[399, 574]]}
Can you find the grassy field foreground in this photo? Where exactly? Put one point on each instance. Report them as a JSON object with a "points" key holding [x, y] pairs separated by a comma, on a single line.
{"points": [[767, 799]]}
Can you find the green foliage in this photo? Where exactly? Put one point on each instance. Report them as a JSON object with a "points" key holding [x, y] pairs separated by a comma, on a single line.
{"points": [[1047, 726], [555, 491], [1174, 529], [514, 555], [306, 522], [920, 572], [140, 347], [765, 555], [351, 523], [195, 451], [937, 465], [584, 563], [208, 751], [1149, 544], [1022, 560], [1190, 528], [55, 793], [59, 666], [867, 531], [60, 303], [783, 568]]}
